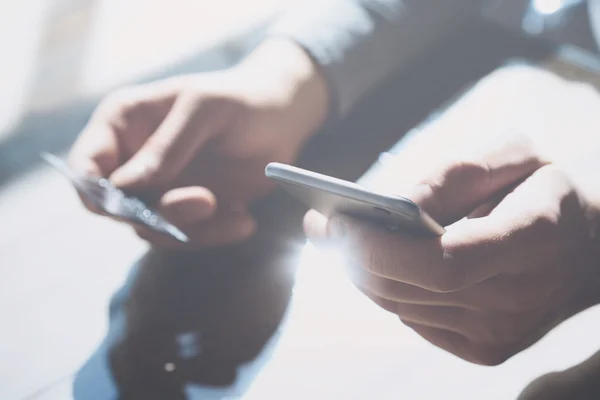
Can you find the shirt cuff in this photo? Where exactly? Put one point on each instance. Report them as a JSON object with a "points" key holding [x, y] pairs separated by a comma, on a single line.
{"points": [[347, 40]]}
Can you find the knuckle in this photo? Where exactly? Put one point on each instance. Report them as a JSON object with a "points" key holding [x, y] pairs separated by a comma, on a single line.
{"points": [[455, 177], [447, 282], [492, 329], [198, 95], [221, 105], [453, 170], [545, 222], [489, 356], [466, 170], [379, 263], [387, 288], [217, 105], [192, 95], [450, 277], [525, 145], [120, 107], [118, 100], [559, 202], [433, 203], [151, 167], [408, 323], [156, 170]]}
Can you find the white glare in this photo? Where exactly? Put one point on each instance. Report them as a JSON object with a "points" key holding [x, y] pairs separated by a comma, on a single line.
{"points": [[169, 367], [548, 7]]}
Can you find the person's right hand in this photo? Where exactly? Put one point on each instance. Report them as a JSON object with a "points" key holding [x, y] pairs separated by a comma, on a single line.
{"points": [[577, 382], [198, 144], [520, 254]]}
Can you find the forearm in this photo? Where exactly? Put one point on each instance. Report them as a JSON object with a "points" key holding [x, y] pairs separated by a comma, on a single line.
{"points": [[358, 43]]}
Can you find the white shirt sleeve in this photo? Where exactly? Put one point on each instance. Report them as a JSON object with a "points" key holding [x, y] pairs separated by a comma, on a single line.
{"points": [[359, 43]]}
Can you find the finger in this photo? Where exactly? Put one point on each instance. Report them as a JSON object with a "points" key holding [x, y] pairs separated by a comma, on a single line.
{"points": [[408, 294], [451, 342], [485, 209], [501, 293], [188, 205], [387, 305], [555, 386], [459, 186], [223, 229], [514, 237], [439, 317], [99, 150], [315, 225], [96, 152], [464, 186], [396, 256], [168, 150], [470, 252]]}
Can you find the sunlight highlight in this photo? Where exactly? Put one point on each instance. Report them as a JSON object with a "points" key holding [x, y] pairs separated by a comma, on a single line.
{"points": [[548, 7]]}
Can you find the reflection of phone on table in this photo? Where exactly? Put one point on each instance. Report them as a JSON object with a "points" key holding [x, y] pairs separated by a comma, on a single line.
{"points": [[330, 195]]}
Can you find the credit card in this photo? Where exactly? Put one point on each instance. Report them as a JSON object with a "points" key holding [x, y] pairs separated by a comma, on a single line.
{"points": [[114, 202]]}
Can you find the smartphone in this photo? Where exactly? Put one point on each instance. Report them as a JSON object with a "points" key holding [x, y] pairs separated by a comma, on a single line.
{"points": [[330, 195]]}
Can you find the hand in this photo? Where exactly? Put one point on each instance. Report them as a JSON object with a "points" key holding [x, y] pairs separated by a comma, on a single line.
{"points": [[198, 145], [526, 257], [577, 382]]}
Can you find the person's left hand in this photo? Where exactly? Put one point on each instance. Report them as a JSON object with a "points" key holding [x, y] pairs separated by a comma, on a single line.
{"points": [[195, 146], [526, 258]]}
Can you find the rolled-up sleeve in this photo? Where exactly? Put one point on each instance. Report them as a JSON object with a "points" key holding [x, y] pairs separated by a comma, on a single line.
{"points": [[359, 43]]}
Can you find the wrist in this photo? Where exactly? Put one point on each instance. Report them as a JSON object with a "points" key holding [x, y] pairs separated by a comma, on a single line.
{"points": [[290, 77]]}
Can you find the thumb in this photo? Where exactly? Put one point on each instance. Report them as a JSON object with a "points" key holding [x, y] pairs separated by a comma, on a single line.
{"points": [[172, 146], [456, 188]]}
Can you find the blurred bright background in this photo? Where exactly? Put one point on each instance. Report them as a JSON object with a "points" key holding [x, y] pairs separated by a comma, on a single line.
{"points": [[59, 50], [59, 57], [59, 265]]}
